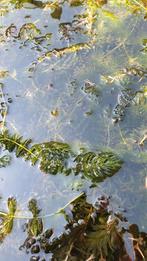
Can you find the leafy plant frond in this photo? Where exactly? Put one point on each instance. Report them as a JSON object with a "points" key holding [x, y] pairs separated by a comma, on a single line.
{"points": [[34, 225], [6, 219], [15, 143], [53, 157], [98, 166]]}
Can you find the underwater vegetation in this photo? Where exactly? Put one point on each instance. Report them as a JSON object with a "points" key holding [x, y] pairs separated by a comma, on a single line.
{"points": [[92, 232], [131, 83], [7, 218], [73, 77], [53, 157]]}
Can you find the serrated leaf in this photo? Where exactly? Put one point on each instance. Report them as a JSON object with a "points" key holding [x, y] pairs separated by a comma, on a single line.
{"points": [[7, 219], [35, 225], [53, 158], [98, 166]]}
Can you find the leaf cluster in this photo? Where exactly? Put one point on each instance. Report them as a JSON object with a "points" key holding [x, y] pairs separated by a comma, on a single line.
{"points": [[98, 166], [35, 224], [51, 155], [7, 218], [53, 158], [92, 231]]}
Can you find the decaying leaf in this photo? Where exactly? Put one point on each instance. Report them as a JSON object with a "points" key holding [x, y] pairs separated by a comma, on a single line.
{"points": [[28, 32]]}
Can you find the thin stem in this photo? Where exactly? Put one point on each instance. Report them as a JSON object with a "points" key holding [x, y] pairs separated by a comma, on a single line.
{"points": [[145, 8], [59, 211]]}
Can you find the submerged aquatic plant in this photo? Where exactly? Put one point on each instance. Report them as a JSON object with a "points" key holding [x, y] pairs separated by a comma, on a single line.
{"points": [[35, 224], [7, 218], [98, 166], [53, 157], [92, 231], [62, 51], [132, 80]]}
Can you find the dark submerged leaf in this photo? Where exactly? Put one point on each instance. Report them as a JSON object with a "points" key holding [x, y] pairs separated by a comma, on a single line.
{"points": [[52, 156], [98, 166], [91, 231], [35, 225]]}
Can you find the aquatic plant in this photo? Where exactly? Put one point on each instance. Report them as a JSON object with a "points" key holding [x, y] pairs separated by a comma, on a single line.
{"points": [[5, 161], [35, 224], [60, 52], [7, 218], [98, 166], [132, 80], [92, 231], [53, 157], [111, 36]]}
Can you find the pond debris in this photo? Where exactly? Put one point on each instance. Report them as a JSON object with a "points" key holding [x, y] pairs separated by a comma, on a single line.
{"points": [[79, 25], [91, 89], [141, 143], [53, 157], [11, 31], [55, 112], [28, 31]]}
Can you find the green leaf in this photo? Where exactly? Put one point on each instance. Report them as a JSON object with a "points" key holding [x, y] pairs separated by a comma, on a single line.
{"points": [[53, 158], [7, 219], [98, 166], [5, 161], [35, 225], [32, 206], [51, 155]]}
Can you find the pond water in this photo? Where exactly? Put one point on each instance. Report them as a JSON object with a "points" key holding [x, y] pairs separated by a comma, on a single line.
{"points": [[63, 68]]}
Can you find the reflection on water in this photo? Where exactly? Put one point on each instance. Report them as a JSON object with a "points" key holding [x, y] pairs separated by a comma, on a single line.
{"points": [[70, 97]]}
